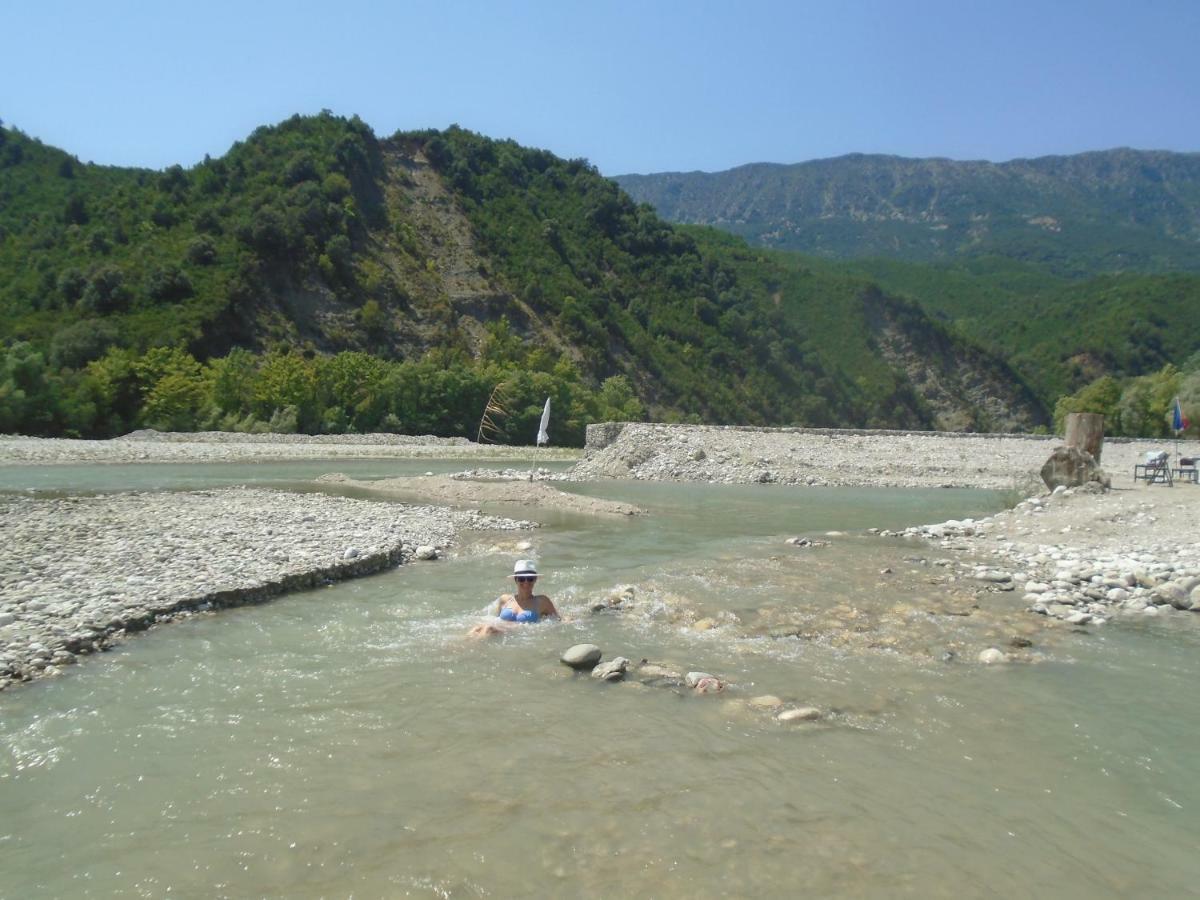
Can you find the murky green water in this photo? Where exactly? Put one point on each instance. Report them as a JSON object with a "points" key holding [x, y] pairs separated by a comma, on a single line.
{"points": [[350, 741]]}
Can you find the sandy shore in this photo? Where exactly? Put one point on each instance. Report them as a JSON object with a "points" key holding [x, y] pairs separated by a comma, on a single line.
{"points": [[77, 574]]}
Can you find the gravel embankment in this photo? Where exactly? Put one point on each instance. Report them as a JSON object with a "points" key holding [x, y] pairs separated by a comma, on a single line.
{"points": [[211, 446], [1086, 557], [811, 456], [78, 573]]}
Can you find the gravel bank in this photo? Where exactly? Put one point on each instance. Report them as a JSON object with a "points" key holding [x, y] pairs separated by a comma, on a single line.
{"points": [[1087, 557], [214, 446], [487, 488], [812, 456], [77, 574]]}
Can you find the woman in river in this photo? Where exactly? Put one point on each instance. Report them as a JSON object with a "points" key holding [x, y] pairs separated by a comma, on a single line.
{"points": [[524, 606]]}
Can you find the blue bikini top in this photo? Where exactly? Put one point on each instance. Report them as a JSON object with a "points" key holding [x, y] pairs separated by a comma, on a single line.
{"points": [[525, 615]]}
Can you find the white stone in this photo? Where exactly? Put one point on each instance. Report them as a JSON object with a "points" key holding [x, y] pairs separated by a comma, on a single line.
{"points": [[991, 656], [800, 714]]}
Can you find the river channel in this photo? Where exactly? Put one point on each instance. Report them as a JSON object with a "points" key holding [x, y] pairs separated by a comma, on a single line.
{"points": [[350, 741]]}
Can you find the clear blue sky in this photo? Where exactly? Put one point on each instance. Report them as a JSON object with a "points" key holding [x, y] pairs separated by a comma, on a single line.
{"points": [[633, 86]]}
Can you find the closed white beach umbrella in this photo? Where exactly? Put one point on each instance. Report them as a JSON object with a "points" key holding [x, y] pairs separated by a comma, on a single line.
{"points": [[543, 435]]}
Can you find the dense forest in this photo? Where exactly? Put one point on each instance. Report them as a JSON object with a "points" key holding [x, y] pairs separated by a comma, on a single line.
{"points": [[318, 278]]}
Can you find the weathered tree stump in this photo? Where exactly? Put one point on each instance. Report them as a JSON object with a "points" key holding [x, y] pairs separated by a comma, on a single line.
{"points": [[1085, 431]]}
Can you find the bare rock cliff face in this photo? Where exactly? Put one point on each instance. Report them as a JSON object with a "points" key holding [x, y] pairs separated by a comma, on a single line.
{"points": [[963, 388]]}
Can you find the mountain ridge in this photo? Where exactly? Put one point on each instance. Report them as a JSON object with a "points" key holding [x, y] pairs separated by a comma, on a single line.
{"points": [[1074, 215]]}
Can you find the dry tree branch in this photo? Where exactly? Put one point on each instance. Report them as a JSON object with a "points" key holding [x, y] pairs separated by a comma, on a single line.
{"points": [[488, 429]]}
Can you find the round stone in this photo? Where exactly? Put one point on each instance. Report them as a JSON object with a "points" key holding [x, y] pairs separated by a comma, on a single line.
{"points": [[991, 656], [582, 656]]}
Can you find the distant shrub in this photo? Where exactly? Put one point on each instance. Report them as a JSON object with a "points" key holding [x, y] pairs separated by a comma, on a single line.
{"points": [[77, 345], [168, 284], [201, 251], [105, 291]]}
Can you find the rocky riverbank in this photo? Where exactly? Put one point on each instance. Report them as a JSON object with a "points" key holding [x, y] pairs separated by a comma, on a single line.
{"points": [[813, 456], [79, 573], [1086, 556], [213, 446]]}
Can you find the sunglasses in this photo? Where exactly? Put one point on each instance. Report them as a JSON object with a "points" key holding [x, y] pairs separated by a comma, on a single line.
{"points": [[521, 578]]}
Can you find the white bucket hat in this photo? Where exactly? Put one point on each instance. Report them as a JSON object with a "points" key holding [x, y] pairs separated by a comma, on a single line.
{"points": [[525, 567]]}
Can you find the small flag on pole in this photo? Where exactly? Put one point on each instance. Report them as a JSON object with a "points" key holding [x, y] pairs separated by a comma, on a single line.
{"points": [[543, 435], [1178, 420]]}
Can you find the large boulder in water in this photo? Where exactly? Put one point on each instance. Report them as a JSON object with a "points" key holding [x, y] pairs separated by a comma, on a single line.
{"points": [[1072, 467], [582, 656]]}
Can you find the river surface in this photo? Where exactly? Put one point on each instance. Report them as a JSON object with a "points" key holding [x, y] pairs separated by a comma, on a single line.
{"points": [[350, 741]]}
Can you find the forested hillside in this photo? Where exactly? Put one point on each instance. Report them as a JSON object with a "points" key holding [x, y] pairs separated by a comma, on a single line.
{"points": [[319, 278], [1061, 334], [1070, 268]]}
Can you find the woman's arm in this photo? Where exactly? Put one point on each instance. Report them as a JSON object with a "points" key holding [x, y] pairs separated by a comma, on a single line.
{"points": [[546, 607]]}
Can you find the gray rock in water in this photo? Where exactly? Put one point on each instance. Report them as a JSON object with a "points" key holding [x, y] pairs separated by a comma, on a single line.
{"points": [[691, 679], [582, 656], [613, 670], [991, 656], [426, 552]]}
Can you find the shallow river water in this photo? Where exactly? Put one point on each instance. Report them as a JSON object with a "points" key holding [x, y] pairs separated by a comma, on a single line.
{"points": [[351, 742]]}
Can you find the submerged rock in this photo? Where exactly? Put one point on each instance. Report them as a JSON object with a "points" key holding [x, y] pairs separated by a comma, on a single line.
{"points": [[766, 701], [651, 672], [800, 714], [991, 656]]}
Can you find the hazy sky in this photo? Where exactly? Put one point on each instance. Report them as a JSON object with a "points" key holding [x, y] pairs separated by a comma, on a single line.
{"points": [[633, 86]]}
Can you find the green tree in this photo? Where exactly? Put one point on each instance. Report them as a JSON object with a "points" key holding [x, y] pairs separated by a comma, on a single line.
{"points": [[1101, 396], [287, 380]]}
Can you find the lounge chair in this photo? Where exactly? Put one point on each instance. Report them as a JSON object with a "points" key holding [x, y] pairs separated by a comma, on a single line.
{"points": [[1155, 468], [1186, 470]]}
